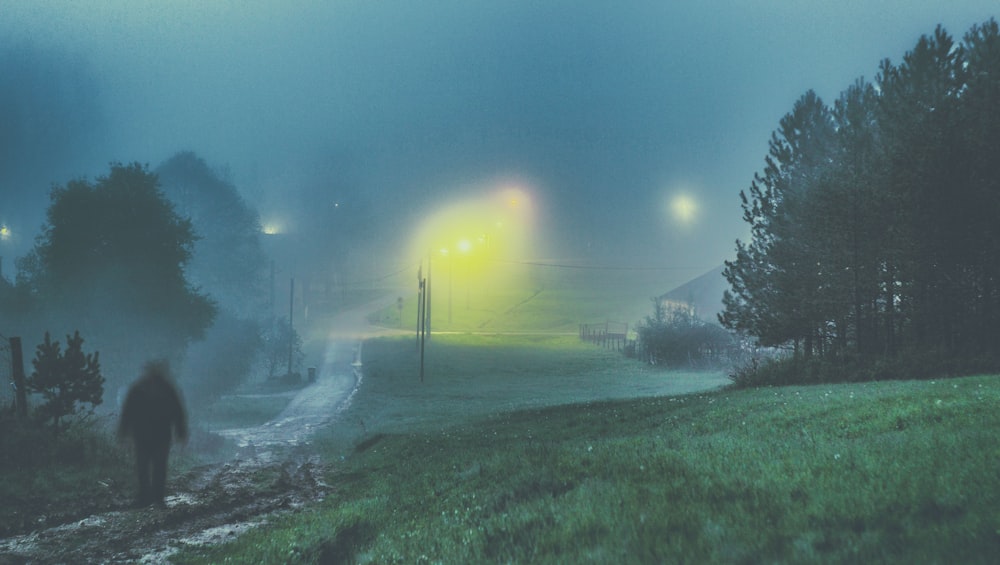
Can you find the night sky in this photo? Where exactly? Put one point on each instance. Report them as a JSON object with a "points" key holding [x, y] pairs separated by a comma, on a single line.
{"points": [[632, 125]]}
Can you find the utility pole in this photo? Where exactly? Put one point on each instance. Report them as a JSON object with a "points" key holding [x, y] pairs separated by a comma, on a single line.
{"points": [[423, 334], [291, 327], [270, 299], [420, 303]]}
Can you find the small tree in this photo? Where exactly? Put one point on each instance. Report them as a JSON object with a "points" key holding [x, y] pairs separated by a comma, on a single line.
{"points": [[65, 380], [674, 336], [282, 347]]}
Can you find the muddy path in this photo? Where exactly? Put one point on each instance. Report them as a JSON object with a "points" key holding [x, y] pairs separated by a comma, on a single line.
{"points": [[275, 472]]}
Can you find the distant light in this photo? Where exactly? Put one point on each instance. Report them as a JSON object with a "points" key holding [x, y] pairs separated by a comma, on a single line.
{"points": [[464, 246], [684, 209], [272, 229], [4, 233]]}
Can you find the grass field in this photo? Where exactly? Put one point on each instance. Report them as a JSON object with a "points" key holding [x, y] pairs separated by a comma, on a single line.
{"points": [[484, 462], [543, 299]]}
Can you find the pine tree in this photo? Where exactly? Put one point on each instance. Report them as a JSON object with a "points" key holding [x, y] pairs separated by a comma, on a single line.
{"points": [[775, 276], [66, 380]]}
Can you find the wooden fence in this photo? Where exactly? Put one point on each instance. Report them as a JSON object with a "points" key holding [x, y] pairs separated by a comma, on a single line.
{"points": [[609, 335]]}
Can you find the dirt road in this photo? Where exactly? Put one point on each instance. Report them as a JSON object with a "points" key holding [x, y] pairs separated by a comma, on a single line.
{"points": [[274, 473]]}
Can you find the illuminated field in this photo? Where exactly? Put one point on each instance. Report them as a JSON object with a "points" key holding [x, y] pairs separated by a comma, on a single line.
{"points": [[538, 298]]}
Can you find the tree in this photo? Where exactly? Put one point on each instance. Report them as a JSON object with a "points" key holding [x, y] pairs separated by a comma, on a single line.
{"points": [[917, 108], [854, 219], [776, 276], [227, 259], [283, 354], [65, 380], [111, 262], [873, 226], [979, 121]]}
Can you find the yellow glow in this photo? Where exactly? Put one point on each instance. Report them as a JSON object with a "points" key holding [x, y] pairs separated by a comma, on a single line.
{"points": [[474, 247], [4, 233], [271, 229]]}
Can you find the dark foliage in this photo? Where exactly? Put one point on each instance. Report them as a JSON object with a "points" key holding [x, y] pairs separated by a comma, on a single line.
{"points": [[282, 347], [224, 359], [111, 262], [66, 380], [675, 337], [874, 232], [227, 259]]}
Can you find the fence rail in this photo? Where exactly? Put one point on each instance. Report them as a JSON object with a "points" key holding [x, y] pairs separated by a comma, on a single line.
{"points": [[609, 335]]}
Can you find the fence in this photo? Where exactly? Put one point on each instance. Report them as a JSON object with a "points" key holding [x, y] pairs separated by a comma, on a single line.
{"points": [[609, 335]]}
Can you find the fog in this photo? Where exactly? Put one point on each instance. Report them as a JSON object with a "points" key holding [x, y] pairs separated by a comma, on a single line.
{"points": [[631, 127]]}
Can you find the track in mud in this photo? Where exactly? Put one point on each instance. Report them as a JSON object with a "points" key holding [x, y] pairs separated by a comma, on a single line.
{"points": [[274, 473]]}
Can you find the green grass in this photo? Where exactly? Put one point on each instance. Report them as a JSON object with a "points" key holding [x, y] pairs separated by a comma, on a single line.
{"points": [[903, 471], [44, 477], [546, 299], [469, 376]]}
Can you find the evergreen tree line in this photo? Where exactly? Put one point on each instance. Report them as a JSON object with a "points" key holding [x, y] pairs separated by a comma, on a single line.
{"points": [[875, 223]]}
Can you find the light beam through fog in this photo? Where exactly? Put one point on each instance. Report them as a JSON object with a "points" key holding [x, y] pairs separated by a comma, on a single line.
{"points": [[486, 234]]}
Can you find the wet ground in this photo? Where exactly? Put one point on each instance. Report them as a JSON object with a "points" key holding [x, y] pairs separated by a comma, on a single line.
{"points": [[273, 473]]}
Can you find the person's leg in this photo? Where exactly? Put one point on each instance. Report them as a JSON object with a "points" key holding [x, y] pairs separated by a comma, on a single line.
{"points": [[159, 464], [143, 462]]}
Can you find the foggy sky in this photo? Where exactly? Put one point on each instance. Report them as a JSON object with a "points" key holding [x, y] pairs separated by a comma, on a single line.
{"points": [[605, 109]]}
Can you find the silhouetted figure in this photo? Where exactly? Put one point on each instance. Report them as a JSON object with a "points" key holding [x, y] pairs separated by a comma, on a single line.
{"points": [[152, 412]]}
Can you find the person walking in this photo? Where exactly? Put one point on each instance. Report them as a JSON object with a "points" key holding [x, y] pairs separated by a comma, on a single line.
{"points": [[151, 415]]}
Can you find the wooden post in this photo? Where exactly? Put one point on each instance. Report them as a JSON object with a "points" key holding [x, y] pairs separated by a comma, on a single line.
{"points": [[21, 392], [291, 327]]}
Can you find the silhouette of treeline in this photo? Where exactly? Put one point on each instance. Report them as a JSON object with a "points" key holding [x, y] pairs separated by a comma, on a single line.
{"points": [[875, 223]]}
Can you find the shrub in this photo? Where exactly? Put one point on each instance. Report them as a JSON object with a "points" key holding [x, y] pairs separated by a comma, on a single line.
{"points": [[674, 336], [66, 380]]}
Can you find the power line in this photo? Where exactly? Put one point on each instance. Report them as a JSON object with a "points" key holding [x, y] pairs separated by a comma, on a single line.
{"points": [[601, 267], [381, 278]]}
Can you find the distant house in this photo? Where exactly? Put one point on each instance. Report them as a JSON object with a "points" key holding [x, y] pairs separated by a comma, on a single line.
{"points": [[703, 295]]}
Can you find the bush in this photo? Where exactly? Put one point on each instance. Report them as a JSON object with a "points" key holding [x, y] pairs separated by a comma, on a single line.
{"points": [[674, 336], [840, 369]]}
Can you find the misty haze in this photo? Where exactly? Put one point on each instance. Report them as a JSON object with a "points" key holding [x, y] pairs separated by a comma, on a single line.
{"points": [[518, 282]]}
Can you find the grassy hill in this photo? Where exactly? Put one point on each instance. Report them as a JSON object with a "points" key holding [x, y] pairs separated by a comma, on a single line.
{"points": [[447, 471]]}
